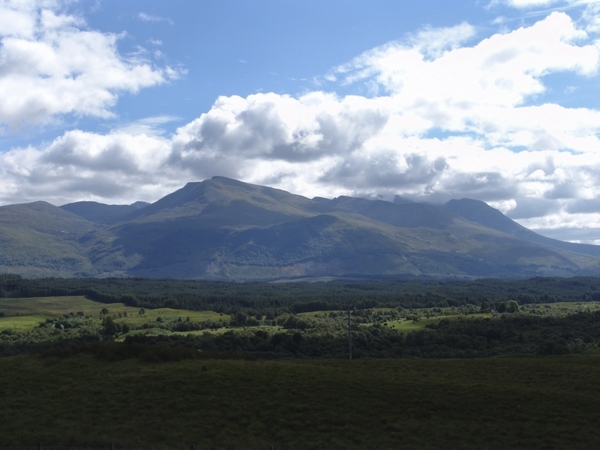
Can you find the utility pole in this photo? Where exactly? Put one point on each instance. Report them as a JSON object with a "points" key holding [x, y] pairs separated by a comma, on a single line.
{"points": [[349, 336]]}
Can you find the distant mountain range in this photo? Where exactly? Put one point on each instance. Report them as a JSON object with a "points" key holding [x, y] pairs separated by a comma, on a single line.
{"points": [[225, 229]]}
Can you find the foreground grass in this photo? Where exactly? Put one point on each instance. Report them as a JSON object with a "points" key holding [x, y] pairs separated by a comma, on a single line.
{"points": [[533, 403]]}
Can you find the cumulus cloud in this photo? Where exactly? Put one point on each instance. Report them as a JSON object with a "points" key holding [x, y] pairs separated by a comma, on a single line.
{"points": [[87, 166], [58, 66], [503, 70], [450, 115], [590, 10]]}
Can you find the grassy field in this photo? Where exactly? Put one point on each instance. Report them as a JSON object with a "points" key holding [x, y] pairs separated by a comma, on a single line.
{"points": [[268, 328], [559, 309], [21, 323], [53, 307], [533, 403], [169, 314], [406, 326], [26, 313]]}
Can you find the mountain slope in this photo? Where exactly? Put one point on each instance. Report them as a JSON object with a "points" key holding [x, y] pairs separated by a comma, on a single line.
{"points": [[479, 212], [405, 214], [39, 239]]}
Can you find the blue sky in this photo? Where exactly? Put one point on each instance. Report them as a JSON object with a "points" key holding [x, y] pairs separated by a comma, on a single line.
{"points": [[245, 47], [122, 101]]}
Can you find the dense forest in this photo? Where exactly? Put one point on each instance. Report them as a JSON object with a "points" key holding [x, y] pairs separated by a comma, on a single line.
{"points": [[229, 297]]}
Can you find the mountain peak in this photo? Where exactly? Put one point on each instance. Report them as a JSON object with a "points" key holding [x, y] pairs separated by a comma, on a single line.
{"points": [[401, 201]]}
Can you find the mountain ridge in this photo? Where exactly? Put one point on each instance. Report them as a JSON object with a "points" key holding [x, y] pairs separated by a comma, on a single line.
{"points": [[222, 228], [483, 214], [101, 213]]}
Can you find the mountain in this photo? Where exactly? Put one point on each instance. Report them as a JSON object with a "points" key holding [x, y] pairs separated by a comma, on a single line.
{"points": [[403, 215], [101, 213], [39, 239], [225, 229], [479, 212]]}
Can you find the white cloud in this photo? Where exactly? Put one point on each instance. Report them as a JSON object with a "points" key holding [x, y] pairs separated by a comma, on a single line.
{"points": [[524, 4], [484, 89], [529, 3], [149, 126], [503, 70], [589, 18], [152, 18], [88, 166], [58, 66]]}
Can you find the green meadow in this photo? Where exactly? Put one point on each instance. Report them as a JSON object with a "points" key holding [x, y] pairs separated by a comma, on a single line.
{"points": [[169, 314], [54, 307], [21, 314], [407, 325], [423, 316]]}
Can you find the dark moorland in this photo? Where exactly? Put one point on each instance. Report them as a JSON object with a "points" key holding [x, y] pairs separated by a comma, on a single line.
{"points": [[533, 403]]}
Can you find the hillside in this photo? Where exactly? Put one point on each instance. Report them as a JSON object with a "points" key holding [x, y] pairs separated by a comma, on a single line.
{"points": [[225, 229], [483, 214], [39, 239]]}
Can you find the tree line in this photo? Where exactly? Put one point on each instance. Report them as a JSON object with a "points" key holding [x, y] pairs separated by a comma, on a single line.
{"points": [[262, 297]]}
